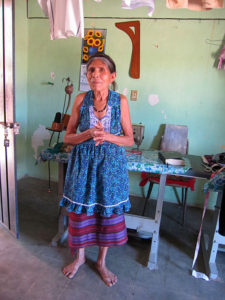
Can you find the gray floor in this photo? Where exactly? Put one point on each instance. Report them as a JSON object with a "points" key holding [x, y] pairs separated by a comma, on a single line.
{"points": [[31, 269]]}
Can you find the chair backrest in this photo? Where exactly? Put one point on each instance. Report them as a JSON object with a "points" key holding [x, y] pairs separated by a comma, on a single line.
{"points": [[175, 138]]}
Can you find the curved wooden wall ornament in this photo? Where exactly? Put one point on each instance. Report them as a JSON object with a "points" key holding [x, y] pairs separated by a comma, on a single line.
{"points": [[135, 39]]}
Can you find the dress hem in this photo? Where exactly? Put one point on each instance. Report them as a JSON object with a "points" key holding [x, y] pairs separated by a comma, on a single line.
{"points": [[105, 211]]}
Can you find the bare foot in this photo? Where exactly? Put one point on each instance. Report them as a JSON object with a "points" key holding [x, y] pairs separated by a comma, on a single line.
{"points": [[107, 276], [71, 269]]}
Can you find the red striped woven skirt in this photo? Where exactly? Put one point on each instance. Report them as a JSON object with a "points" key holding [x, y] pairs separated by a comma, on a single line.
{"points": [[96, 230]]}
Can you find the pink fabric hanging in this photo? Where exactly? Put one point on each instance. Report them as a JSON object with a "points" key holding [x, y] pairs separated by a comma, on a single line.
{"points": [[195, 4], [222, 58]]}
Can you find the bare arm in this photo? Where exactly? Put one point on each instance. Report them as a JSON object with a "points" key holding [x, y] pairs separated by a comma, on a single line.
{"points": [[71, 136], [127, 139]]}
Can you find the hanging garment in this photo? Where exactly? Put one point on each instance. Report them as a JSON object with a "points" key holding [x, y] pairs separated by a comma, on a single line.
{"points": [[132, 4], [195, 4], [65, 17], [222, 58]]}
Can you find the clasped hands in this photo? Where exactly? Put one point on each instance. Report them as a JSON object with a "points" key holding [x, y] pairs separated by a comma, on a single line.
{"points": [[98, 133]]}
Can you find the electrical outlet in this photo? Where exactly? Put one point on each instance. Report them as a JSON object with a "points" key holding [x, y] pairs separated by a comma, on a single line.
{"points": [[133, 95]]}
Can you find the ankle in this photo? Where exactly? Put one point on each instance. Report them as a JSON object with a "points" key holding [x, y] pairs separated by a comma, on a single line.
{"points": [[80, 256], [100, 264], [80, 259]]}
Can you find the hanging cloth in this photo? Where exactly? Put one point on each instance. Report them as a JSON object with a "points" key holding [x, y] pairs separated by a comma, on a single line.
{"points": [[65, 17], [222, 58], [132, 4], [195, 4]]}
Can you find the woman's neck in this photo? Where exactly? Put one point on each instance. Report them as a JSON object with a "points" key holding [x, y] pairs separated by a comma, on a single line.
{"points": [[100, 96]]}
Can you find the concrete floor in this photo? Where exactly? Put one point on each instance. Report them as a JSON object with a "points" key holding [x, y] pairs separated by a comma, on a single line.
{"points": [[31, 269]]}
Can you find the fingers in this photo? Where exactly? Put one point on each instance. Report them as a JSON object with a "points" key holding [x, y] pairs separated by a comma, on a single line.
{"points": [[98, 133], [96, 130], [99, 125], [99, 137], [99, 141]]}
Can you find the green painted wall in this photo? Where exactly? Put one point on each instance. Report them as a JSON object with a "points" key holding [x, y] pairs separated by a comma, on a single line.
{"points": [[177, 64]]}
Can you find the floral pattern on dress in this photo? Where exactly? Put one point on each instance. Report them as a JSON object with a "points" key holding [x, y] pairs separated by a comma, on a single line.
{"points": [[97, 176]]}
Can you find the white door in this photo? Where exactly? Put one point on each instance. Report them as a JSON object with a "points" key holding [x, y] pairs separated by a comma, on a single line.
{"points": [[8, 127]]}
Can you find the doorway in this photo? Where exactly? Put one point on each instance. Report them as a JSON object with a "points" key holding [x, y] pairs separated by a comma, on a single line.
{"points": [[8, 127]]}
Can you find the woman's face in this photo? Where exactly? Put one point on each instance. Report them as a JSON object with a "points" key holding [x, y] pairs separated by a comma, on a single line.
{"points": [[99, 76]]}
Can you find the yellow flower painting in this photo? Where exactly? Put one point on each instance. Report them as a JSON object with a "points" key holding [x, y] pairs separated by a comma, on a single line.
{"points": [[93, 41]]}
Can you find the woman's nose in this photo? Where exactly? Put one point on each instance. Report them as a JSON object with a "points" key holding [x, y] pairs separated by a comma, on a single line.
{"points": [[95, 73]]}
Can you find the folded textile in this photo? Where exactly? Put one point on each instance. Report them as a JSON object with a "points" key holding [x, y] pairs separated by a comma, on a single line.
{"points": [[132, 4]]}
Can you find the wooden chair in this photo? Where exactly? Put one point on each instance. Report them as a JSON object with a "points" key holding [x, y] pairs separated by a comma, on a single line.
{"points": [[175, 138]]}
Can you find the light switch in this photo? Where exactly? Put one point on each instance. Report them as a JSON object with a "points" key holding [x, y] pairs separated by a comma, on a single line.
{"points": [[133, 95]]}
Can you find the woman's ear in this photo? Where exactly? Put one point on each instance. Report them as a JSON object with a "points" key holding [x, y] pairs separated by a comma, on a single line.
{"points": [[113, 76]]}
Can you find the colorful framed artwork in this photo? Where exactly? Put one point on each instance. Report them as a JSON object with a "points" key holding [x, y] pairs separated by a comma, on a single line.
{"points": [[94, 41]]}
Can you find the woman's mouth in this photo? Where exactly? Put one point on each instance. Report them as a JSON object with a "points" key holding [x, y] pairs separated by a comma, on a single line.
{"points": [[95, 82]]}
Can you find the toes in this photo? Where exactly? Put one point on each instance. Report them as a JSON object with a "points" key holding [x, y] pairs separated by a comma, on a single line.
{"points": [[108, 277], [111, 281], [67, 273], [70, 276], [114, 280]]}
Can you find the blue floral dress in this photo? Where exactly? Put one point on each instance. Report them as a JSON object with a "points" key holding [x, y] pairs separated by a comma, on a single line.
{"points": [[97, 176]]}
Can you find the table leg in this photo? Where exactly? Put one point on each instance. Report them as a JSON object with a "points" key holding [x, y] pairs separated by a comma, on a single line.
{"points": [[210, 243], [62, 233], [153, 255]]}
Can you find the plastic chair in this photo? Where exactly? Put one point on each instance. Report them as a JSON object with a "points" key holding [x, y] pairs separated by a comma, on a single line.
{"points": [[175, 138]]}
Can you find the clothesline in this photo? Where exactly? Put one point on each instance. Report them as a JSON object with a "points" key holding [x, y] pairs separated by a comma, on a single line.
{"points": [[144, 18], [153, 18]]}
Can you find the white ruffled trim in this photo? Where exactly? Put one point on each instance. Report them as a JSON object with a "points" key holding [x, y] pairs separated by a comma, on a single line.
{"points": [[93, 204]]}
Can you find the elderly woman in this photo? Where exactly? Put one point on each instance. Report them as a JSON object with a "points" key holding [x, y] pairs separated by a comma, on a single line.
{"points": [[96, 185]]}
